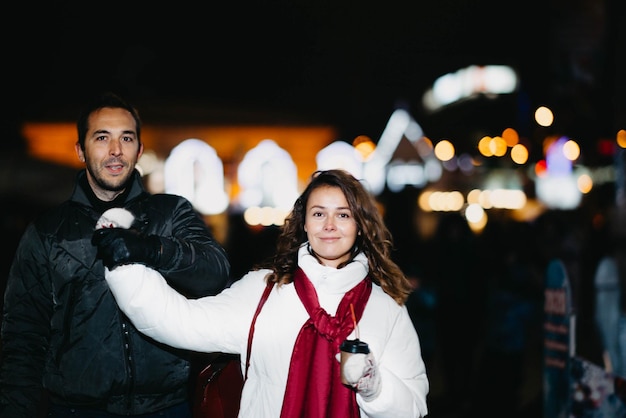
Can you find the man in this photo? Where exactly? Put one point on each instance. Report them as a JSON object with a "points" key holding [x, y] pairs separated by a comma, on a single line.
{"points": [[62, 333]]}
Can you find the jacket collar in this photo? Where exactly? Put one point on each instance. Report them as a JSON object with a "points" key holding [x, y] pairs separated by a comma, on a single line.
{"points": [[80, 195], [330, 279]]}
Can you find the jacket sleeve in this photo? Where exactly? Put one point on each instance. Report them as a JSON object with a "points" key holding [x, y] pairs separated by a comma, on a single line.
{"points": [[192, 261], [25, 329], [404, 383], [213, 323]]}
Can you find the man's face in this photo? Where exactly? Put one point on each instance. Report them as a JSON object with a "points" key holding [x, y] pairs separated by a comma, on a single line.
{"points": [[111, 151]]}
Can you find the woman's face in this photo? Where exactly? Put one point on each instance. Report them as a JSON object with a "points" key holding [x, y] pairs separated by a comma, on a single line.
{"points": [[330, 227]]}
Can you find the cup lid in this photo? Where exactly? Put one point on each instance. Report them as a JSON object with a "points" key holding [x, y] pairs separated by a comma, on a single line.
{"points": [[355, 346]]}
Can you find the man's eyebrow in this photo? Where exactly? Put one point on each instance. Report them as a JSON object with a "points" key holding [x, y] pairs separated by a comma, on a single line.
{"points": [[106, 131]]}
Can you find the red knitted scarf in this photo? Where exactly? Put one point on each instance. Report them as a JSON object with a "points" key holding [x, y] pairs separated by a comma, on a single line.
{"points": [[314, 388]]}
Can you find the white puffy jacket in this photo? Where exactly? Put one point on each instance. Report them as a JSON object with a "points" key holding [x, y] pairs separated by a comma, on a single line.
{"points": [[221, 323]]}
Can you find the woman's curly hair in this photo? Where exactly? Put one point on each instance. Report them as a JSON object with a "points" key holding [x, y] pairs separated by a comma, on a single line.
{"points": [[373, 238]]}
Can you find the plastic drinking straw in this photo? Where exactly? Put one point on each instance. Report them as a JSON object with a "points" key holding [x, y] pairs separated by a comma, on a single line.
{"points": [[356, 326]]}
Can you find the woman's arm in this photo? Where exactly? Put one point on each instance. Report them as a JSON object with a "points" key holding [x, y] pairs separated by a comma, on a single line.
{"points": [[212, 323]]}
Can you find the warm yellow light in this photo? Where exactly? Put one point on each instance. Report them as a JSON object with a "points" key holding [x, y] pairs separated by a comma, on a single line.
{"points": [[423, 201], [544, 116], [441, 201], [584, 183], [571, 150], [621, 138], [454, 200], [265, 216], [484, 200], [444, 150], [473, 196], [476, 217], [364, 145], [252, 215], [510, 136], [484, 146], [519, 154], [498, 146]]}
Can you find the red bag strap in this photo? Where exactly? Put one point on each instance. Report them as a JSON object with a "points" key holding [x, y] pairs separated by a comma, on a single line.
{"points": [[264, 296]]}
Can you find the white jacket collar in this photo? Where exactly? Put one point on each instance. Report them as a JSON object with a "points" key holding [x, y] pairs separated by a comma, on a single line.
{"points": [[330, 279]]}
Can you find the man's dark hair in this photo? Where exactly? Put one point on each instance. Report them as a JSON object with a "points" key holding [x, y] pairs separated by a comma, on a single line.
{"points": [[107, 99]]}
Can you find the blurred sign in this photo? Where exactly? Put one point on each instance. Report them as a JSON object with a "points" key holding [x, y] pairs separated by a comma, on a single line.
{"points": [[558, 341]]}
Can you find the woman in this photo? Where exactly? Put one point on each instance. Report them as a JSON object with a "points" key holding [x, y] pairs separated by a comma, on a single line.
{"points": [[331, 268]]}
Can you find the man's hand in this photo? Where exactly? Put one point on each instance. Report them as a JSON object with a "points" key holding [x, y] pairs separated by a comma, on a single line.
{"points": [[117, 246]]}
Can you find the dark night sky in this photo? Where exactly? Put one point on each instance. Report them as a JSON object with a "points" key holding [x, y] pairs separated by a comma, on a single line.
{"points": [[339, 62]]}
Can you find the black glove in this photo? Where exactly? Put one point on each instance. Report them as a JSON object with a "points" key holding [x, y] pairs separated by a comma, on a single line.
{"points": [[118, 246]]}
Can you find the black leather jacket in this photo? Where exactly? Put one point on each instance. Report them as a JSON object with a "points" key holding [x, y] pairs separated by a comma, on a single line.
{"points": [[62, 330]]}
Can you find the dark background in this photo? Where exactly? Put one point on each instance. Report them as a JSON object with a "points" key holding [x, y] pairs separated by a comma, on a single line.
{"points": [[340, 62], [345, 63]]}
